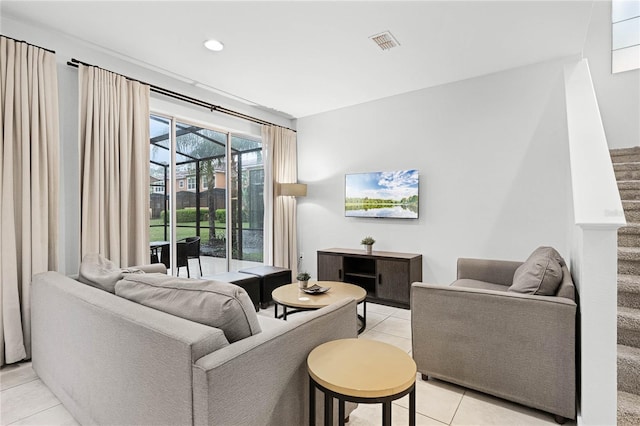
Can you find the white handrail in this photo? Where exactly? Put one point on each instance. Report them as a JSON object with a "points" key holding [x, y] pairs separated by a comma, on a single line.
{"points": [[596, 200]]}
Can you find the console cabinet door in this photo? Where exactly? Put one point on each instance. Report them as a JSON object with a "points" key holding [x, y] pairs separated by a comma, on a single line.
{"points": [[393, 280], [330, 267]]}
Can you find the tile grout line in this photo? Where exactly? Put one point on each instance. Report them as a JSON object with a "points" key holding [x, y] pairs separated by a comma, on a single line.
{"points": [[22, 383], [459, 403], [389, 334], [417, 413], [378, 323], [36, 413]]}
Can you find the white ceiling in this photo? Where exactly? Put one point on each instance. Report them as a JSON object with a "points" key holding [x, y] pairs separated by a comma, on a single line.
{"points": [[303, 57]]}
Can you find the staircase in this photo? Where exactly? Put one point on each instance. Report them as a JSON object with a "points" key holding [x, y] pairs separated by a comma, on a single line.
{"points": [[626, 163]]}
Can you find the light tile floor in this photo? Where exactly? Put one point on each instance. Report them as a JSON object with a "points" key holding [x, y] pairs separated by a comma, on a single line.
{"points": [[25, 400]]}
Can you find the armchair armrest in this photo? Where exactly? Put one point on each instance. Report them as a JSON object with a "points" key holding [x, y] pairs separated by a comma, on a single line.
{"points": [[516, 346], [488, 270]]}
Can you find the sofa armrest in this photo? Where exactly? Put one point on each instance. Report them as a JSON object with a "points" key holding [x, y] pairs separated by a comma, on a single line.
{"points": [[159, 268], [488, 270], [516, 346], [263, 379], [113, 361]]}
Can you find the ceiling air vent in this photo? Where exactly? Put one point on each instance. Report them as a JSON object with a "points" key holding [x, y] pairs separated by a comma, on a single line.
{"points": [[385, 40]]}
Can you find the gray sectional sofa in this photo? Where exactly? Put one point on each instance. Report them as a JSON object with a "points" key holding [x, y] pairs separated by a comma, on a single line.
{"points": [[112, 361], [482, 333]]}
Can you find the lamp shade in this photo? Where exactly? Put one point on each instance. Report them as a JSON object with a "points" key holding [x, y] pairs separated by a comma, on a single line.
{"points": [[293, 189]]}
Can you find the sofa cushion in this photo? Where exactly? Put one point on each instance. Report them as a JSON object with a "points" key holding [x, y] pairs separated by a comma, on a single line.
{"points": [[540, 274], [217, 304], [102, 273]]}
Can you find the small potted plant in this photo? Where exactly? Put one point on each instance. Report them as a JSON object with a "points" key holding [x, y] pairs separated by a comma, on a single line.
{"points": [[368, 242], [303, 279]]}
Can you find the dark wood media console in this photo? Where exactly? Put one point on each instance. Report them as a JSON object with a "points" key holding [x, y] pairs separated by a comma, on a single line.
{"points": [[386, 276]]}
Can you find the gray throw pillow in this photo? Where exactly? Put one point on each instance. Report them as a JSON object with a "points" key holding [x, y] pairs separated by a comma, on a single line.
{"points": [[540, 274], [216, 304], [102, 273]]}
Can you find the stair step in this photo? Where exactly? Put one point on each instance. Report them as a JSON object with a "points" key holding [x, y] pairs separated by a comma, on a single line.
{"points": [[629, 369], [629, 193], [627, 171], [632, 165], [631, 210], [630, 253], [624, 151], [629, 291], [629, 184], [632, 228], [629, 236], [629, 327], [629, 260], [627, 174], [625, 155], [629, 189], [628, 409]]}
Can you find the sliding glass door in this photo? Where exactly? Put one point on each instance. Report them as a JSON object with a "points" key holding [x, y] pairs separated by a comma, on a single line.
{"points": [[215, 173], [247, 205]]}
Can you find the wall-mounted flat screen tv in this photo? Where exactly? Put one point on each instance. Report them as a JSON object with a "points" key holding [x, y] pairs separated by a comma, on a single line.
{"points": [[382, 194]]}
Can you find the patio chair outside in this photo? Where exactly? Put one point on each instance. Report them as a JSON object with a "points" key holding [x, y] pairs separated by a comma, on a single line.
{"points": [[188, 248]]}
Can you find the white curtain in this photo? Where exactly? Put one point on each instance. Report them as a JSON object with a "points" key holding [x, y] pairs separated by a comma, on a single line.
{"points": [[29, 186], [114, 169], [281, 166]]}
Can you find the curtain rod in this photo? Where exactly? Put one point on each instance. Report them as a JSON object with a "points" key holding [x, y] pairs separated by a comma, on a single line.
{"points": [[184, 98], [27, 43]]}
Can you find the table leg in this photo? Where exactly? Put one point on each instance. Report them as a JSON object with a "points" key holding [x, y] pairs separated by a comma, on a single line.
{"points": [[284, 312], [363, 318], [412, 406], [275, 310], [328, 410], [341, 412], [364, 315], [386, 413], [312, 402]]}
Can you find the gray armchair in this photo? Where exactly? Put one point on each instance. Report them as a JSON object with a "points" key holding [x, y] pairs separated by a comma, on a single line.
{"points": [[520, 347]]}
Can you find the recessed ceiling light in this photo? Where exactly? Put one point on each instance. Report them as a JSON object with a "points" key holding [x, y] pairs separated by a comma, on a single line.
{"points": [[214, 45]]}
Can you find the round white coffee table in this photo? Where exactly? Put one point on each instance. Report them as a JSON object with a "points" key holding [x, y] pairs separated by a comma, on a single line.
{"points": [[293, 299]]}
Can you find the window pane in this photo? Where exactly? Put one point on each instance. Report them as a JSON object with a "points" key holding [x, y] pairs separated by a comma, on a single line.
{"points": [[159, 172], [243, 144], [247, 181], [624, 9], [625, 59], [159, 129], [201, 194], [197, 143], [626, 33]]}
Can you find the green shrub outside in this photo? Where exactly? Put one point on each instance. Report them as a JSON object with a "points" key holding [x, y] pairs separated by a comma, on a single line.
{"points": [[221, 215], [189, 214]]}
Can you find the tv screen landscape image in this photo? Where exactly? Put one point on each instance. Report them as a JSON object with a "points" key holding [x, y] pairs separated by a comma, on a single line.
{"points": [[382, 194]]}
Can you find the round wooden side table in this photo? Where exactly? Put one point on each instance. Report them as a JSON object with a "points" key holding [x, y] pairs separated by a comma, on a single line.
{"points": [[293, 299], [363, 371]]}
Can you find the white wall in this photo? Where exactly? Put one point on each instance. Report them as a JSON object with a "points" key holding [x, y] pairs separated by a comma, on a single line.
{"points": [[618, 94], [67, 47], [493, 160]]}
